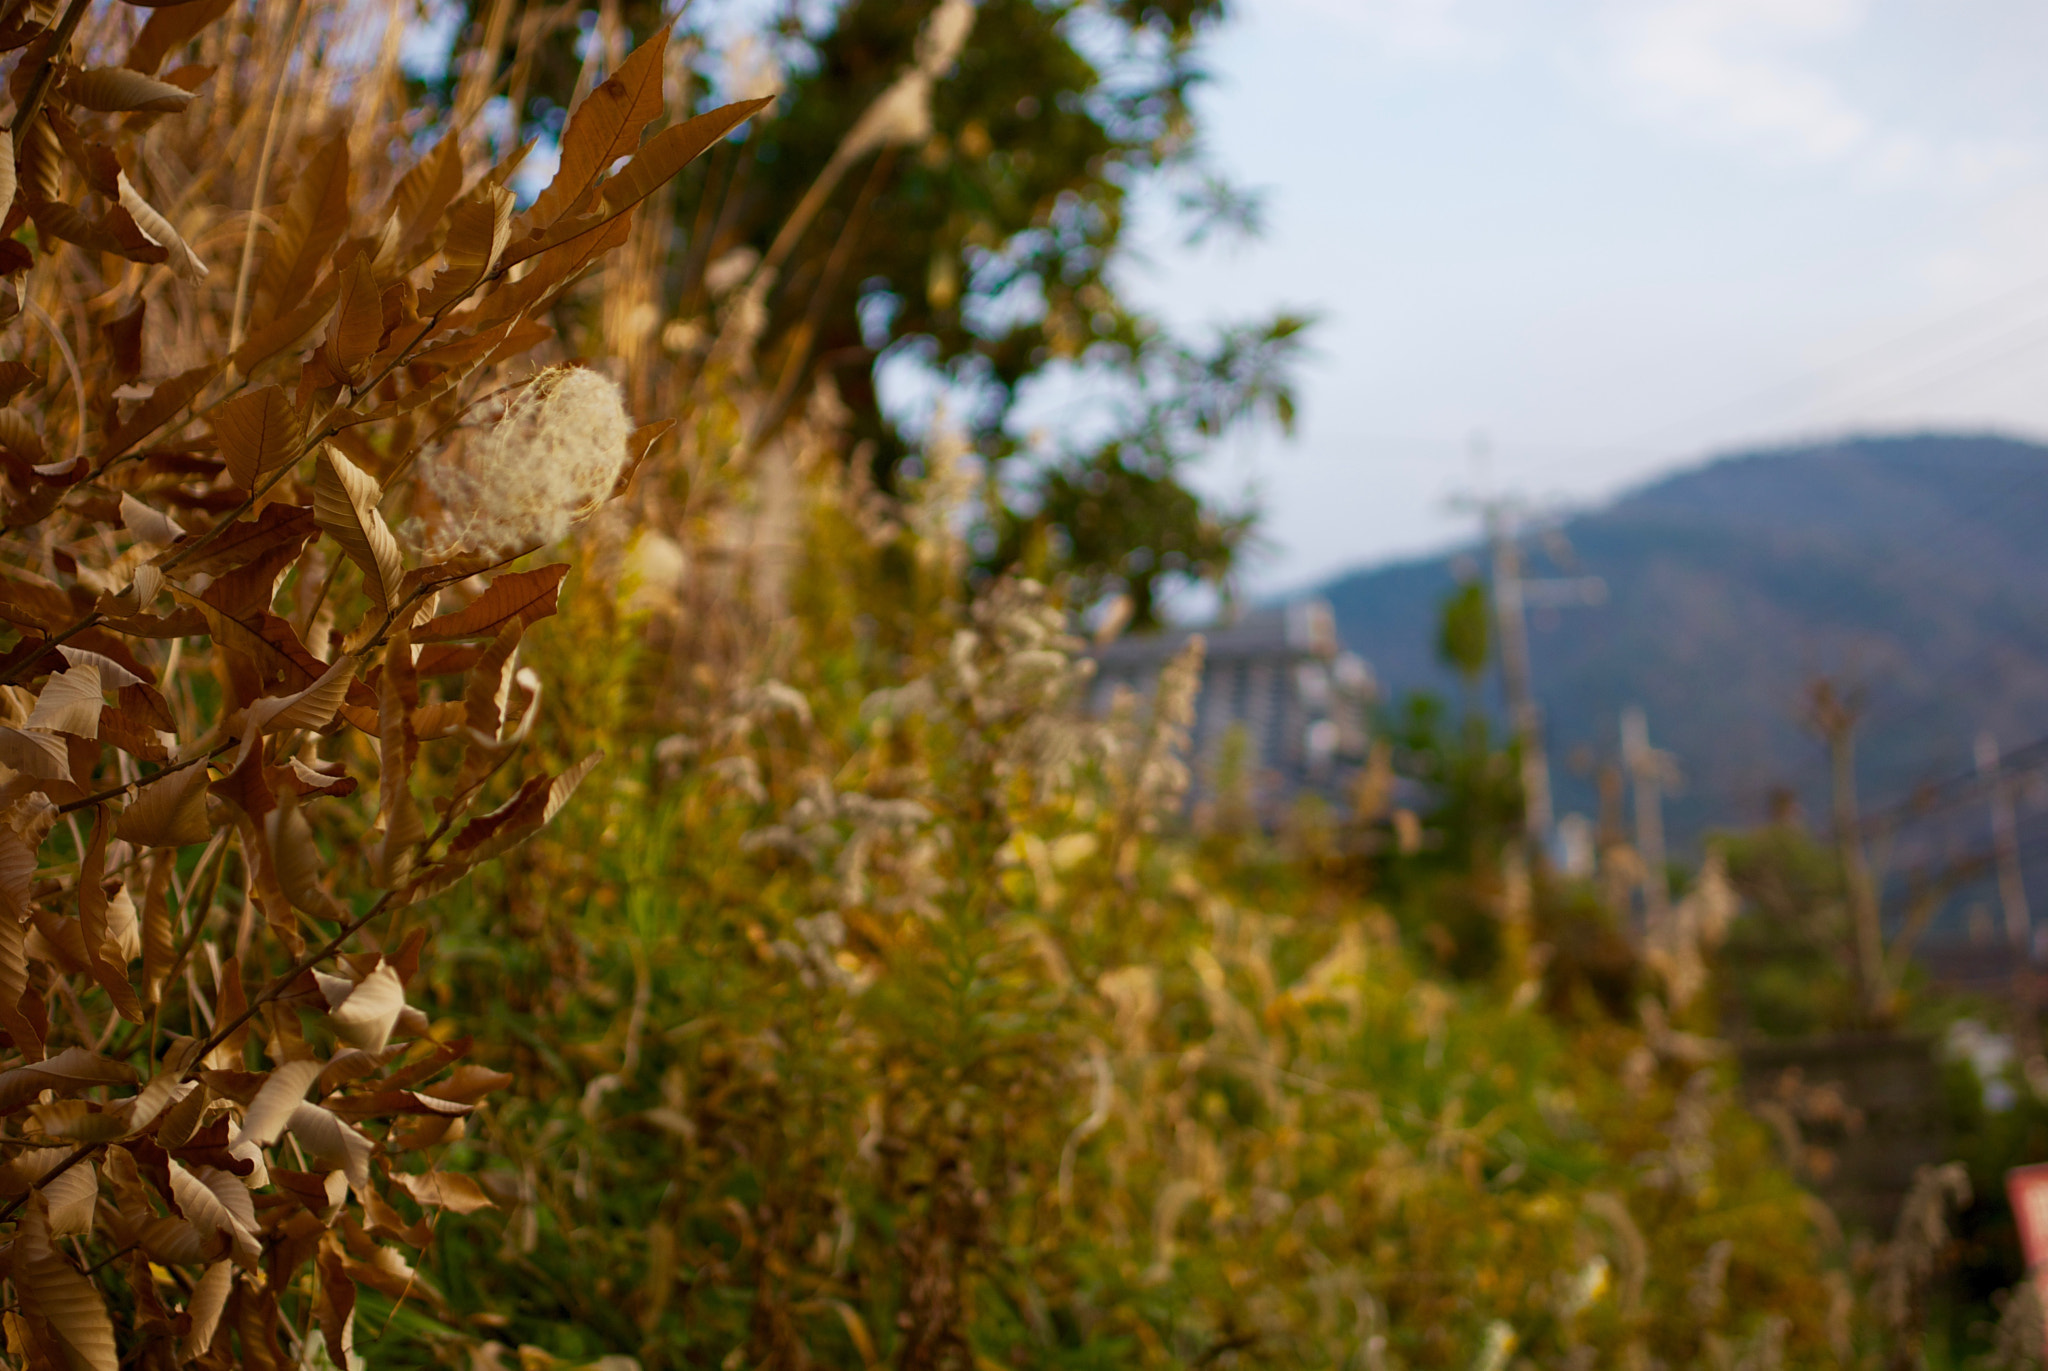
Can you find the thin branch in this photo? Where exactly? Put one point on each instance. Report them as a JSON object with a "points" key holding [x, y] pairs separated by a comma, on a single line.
{"points": [[46, 75], [152, 778]]}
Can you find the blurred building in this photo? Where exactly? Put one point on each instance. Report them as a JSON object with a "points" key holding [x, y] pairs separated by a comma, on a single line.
{"points": [[1274, 678]]}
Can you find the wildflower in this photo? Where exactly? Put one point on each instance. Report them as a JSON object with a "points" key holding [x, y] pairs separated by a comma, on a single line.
{"points": [[553, 458], [1584, 1288], [1498, 1347]]}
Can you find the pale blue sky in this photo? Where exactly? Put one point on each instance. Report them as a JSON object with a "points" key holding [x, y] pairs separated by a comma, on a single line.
{"points": [[1615, 236]]}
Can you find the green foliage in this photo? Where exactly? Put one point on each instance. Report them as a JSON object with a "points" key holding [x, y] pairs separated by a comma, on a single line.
{"points": [[1116, 525], [1786, 962], [1446, 891], [986, 247], [880, 1018], [1464, 638]]}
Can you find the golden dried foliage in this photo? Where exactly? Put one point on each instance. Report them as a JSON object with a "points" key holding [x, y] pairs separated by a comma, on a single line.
{"points": [[243, 731]]}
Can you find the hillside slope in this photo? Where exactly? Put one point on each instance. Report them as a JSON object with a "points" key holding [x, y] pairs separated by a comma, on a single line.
{"points": [[1914, 569]]}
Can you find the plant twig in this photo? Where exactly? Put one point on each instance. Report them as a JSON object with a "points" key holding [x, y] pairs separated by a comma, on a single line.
{"points": [[46, 75]]}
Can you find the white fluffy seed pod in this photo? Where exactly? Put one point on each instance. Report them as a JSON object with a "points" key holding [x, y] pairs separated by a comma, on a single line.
{"points": [[553, 458]]}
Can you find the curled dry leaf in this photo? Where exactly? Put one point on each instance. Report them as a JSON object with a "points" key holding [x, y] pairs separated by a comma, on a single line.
{"points": [[358, 325], [72, 1195], [444, 1190], [364, 1012], [603, 128], [75, 1068], [478, 233], [212, 1200], [148, 525], [158, 230], [330, 1142], [311, 708], [209, 1298], [179, 1242], [345, 506], [674, 148], [170, 812], [113, 675], [263, 1123], [334, 1303], [57, 1297], [70, 702], [298, 863], [119, 90], [41, 755], [521, 596]]}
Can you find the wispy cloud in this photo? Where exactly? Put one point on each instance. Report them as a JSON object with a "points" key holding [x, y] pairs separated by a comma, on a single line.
{"points": [[1741, 70], [1767, 76]]}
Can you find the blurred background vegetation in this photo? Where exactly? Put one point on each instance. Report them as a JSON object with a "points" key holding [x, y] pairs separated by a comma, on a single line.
{"points": [[878, 1004]]}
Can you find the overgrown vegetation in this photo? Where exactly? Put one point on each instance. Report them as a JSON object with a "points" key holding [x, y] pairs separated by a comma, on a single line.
{"points": [[223, 1118], [871, 1003]]}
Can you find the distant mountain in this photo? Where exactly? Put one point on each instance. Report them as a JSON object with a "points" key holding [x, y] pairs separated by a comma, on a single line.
{"points": [[1914, 569]]}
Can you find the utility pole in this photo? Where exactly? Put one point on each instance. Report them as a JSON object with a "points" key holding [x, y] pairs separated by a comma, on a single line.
{"points": [[1524, 716], [1649, 771], [2012, 890], [1835, 720], [1513, 593]]}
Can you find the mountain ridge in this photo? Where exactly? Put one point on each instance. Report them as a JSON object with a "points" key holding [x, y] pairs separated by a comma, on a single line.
{"points": [[1906, 568]]}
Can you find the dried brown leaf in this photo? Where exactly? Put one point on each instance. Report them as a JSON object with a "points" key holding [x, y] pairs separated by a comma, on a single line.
{"points": [[334, 1303], [149, 526], [170, 396], [72, 1197], [311, 708], [363, 1014], [209, 1298], [170, 812], [674, 148], [350, 1065], [119, 90], [41, 755], [478, 230], [358, 326], [170, 29], [331, 1143], [75, 1068], [216, 1200], [53, 1292], [445, 1190], [14, 991], [265, 1119], [314, 219], [604, 128], [345, 506], [70, 702], [184, 262], [527, 596], [260, 433], [159, 946]]}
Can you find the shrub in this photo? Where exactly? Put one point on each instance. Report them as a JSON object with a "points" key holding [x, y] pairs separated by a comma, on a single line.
{"points": [[249, 310]]}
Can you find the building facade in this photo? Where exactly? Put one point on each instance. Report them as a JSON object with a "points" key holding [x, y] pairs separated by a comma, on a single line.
{"points": [[1277, 679]]}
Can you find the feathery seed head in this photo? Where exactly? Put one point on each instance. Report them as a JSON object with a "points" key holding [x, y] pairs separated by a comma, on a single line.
{"points": [[553, 458]]}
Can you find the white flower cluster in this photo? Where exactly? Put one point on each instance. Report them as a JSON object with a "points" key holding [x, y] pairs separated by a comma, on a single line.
{"points": [[553, 458]]}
